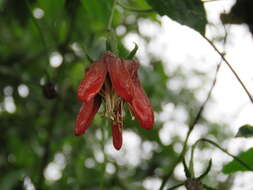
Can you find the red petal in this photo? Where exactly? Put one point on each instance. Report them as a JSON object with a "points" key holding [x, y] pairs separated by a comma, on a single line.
{"points": [[140, 105], [86, 115], [117, 135], [132, 67], [142, 109], [93, 81], [120, 77]]}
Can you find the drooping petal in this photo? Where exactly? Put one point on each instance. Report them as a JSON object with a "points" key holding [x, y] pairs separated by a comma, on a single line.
{"points": [[132, 67], [93, 81], [120, 77], [117, 135], [142, 109], [86, 115], [140, 104]]}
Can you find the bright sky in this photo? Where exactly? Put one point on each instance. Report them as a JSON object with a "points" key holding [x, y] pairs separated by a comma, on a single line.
{"points": [[177, 44]]}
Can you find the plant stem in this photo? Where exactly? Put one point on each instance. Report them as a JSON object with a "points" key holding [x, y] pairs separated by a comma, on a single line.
{"points": [[179, 159], [225, 151], [230, 67], [134, 9], [202, 108], [191, 127], [193, 124], [109, 26]]}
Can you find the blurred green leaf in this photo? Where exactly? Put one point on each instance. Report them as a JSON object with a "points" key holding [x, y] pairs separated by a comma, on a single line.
{"points": [[245, 131], [186, 12], [235, 166], [10, 179]]}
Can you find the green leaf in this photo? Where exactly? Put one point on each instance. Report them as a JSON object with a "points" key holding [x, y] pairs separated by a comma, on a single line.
{"points": [[245, 131], [186, 12], [235, 166]]}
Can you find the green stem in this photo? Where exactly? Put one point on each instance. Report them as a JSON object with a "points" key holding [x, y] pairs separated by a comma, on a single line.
{"points": [[191, 127], [179, 159], [134, 9], [111, 42], [109, 26], [223, 150], [195, 121]]}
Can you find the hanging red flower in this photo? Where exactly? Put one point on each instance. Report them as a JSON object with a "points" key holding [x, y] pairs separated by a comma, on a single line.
{"points": [[115, 81]]}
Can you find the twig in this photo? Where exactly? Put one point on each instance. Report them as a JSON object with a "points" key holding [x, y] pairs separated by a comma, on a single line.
{"points": [[193, 124], [230, 67], [134, 9], [109, 26], [225, 151], [191, 127]]}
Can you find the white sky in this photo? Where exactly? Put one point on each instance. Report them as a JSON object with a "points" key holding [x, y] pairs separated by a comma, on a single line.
{"points": [[176, 44]]}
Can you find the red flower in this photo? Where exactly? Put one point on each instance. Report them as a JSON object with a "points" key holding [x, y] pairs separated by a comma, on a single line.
{"points": [[115, 81]]}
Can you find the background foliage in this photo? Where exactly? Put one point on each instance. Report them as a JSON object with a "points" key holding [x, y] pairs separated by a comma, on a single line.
{"points": [[37, 132]]}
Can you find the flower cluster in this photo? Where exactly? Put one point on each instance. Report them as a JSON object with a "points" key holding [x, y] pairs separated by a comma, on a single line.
{"points": [[114, 81]]}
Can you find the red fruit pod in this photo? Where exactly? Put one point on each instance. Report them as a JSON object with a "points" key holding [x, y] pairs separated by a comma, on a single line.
{"points": [[121, 78], [117, 135], [86, 115], [93, 81]]}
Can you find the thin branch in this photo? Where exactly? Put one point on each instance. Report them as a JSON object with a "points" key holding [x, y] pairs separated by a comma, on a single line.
{"points": [[134, 9], [109, 26], [191, 127], [193, 124], [225, 151], [230, 67]]}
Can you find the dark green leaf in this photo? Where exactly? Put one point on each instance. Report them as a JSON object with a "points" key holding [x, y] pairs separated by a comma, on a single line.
{"points": [[235, 166], [187, 12], [245, 131]]}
